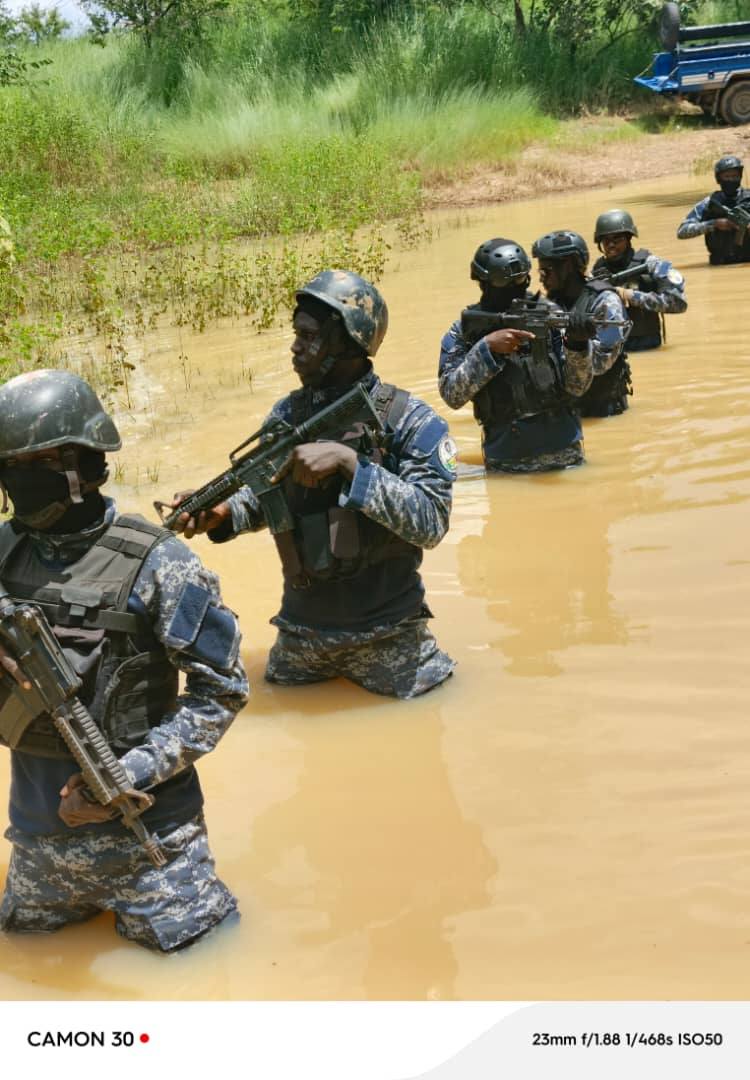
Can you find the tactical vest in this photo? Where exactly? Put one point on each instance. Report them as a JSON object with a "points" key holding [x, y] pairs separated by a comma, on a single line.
{"points": [[721, 244], [128, 683], [646, 324], [329, 542], [608, 393], [521, 389]]}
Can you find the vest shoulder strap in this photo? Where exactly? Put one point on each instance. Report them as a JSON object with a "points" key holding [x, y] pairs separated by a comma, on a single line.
{"points": [[640, 255], [131, 536], [390, 404]]}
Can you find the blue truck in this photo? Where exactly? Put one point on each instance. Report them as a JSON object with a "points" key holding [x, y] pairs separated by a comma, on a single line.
{"points": [[715, 73]]}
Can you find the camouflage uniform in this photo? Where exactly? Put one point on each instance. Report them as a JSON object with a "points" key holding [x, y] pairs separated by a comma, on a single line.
{"points": [[60, 875], [387, 647], [700, 221], [660, 291], [604, 356], [56, 880], [399, 661], [696, 223], [465, 370]]}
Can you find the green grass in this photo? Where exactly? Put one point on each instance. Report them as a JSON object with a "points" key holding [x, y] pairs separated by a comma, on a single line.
{"points": [[127, 172]]}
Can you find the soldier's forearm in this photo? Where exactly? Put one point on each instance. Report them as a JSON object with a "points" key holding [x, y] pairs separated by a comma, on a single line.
{"points": [[460, 381], [667, 302], [193, 729], [246, 516], [579, 373], [689, 229]]}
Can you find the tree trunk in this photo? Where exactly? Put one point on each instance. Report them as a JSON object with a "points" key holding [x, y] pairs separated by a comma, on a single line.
{"points": [[519, 17]]}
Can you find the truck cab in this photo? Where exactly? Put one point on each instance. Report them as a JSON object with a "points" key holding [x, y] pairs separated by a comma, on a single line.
{"points": [[714, 74]]}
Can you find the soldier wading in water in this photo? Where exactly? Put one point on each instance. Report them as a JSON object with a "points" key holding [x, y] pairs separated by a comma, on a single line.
{"points": [[132, 607], [353, 600], [563, 257], [709, 218], [659, 290], [526, 410]]}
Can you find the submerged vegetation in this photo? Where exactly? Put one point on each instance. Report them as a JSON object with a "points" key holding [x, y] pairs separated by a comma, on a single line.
{"points": [[301, 126]]}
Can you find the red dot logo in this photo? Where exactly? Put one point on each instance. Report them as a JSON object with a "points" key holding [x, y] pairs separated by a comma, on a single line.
{"points": [[144, 1037]]}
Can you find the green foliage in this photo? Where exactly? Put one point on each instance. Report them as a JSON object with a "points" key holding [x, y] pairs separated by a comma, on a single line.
{"points": [[39, 25], [178, 20], [130, 171]]}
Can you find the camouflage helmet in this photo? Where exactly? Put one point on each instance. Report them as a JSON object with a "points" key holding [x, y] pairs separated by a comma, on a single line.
{"points": [[500, 262], [561, 244], [43, 409], [730, 161], [360, 305], [614, 221]]}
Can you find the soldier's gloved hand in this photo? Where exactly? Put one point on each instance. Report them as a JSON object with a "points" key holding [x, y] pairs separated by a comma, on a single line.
{"points": [[312, 463], [504, 342], [580, 326], [194, 526], [725, 225], [76, 807]]}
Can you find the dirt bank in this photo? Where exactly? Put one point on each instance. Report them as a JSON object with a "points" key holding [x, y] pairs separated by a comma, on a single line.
{"points": [[592, 152]]}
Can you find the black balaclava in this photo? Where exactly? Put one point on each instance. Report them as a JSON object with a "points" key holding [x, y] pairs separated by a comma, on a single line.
{"points": [[571, 283], [729, 188], [496, 298], [62, 498]]}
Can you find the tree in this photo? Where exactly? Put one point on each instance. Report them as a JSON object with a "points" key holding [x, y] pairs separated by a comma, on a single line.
{"points": [[8, 26], [38, 24], [14, 68], [150, 18]]}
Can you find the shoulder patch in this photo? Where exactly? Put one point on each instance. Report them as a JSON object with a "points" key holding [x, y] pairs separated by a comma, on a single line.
{"points": [[448, 454]]}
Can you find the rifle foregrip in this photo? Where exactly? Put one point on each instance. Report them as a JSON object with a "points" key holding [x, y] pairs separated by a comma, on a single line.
{"points": [[205, 498], [101, 753]]}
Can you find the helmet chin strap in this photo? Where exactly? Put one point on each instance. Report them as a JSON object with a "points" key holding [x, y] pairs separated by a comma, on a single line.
{"points": [[329, 361], [69, 459], [326, 365]]}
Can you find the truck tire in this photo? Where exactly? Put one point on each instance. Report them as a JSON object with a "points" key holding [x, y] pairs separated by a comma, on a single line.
{"points": [[735, 102], [669, 26]]}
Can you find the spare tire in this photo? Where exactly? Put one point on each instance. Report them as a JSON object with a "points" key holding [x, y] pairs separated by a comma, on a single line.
{"points": [[669, 26]]}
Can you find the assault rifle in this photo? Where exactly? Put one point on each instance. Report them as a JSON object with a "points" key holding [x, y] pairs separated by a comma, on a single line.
{"points": [[529, 315], [257, 467], [739, 214], [26, 634], [630, 273]]}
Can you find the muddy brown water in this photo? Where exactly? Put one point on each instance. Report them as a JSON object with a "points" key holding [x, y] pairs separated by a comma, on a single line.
{"points": [[569, 817]]}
